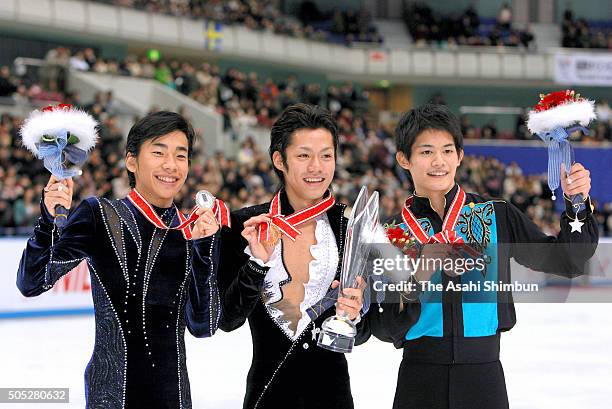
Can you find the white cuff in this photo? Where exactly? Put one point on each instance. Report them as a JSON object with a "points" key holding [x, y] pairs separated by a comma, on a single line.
{"points": [[271, 262]]}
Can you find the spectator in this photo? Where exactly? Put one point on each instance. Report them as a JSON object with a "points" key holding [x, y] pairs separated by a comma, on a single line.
{"points": [[7, 83], [448, 32], [578, 34], [53, 73], [164, 75], [504, 18], [489, 131], [265, 15], [78, 62]]}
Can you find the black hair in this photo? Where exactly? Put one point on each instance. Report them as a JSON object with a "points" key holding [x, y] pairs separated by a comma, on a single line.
{"points": [[294, 118], [422, 118], [154, 126]]}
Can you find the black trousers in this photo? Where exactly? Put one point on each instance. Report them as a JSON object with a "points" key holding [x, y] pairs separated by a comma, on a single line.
{"points": [[456, 386]]}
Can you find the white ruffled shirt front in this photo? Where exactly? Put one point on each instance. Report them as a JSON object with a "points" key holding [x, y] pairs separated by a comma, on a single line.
{"points": [[321, 272]]}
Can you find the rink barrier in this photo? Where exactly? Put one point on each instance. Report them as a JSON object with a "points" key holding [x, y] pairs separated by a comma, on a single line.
{"points": [[46, 313], [72, 294]]}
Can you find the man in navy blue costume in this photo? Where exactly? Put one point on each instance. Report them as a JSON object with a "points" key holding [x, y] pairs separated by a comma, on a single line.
{"points": [[152, 271]]}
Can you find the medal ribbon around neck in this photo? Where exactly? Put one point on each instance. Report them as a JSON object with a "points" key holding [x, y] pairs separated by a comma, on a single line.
{"points": [[220, 210], [447, 235], [222, 213], [288, 224]]}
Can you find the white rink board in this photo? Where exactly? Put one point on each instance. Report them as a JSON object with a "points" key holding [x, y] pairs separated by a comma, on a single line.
{"points": [[72, 294]]}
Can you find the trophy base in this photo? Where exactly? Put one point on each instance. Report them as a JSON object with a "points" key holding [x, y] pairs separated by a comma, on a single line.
{"points": [[337, 335]]}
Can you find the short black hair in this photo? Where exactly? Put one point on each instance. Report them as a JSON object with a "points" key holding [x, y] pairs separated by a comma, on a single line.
{"points": [[422, 118], [154, 126], [294, 118]]}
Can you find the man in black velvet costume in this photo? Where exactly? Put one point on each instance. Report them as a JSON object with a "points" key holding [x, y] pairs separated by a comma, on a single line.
{"points": [[280, 259], [149, 279]]}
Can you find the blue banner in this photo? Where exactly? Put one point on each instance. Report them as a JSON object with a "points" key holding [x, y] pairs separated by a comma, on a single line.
{"points": [[534, 160]]}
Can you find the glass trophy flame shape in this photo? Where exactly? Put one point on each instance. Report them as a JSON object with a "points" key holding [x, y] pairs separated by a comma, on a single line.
{"points": [[338, 332]]}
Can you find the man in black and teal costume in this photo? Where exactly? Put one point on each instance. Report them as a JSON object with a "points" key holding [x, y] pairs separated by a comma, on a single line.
{"points": [[451, 339]]}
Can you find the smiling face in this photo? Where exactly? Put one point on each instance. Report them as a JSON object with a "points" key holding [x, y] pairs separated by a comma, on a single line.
{"points": [[161, 167], [309, 167], [433, 162]]}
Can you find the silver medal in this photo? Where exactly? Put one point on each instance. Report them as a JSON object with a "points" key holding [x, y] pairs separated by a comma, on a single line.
{"points": [[205, 199]]}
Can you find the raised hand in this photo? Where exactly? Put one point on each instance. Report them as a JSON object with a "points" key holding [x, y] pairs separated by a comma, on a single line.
{"points": [[262, 251], [350, 301], [205, 225], [578, 180], [58, 192]]}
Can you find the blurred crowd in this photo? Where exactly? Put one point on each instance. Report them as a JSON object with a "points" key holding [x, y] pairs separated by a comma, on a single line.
{"points": [[365, 157], [244, 99], [348, 26], [341, 26], [428, 28], [600, 131], [579, 33]]}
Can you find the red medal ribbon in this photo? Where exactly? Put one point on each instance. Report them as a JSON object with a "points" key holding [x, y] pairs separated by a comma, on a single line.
{"points": [[447, 235], [222, 213], [186, 223], [287, 224], [220, 209]]}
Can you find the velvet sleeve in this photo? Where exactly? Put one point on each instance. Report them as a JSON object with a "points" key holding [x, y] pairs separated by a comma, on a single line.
{"points": [[203, 307], [50, 254]]}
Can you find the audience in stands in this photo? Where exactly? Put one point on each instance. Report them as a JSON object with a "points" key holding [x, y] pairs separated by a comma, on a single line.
{"points": [[242, 98], [600, 132], [582, 34], [365, 157], [344, 27], [428, 28], [341, 25]]}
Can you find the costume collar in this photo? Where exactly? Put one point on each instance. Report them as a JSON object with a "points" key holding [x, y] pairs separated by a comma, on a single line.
{"points": [[422, 204], [447, 234], [286, 207]]}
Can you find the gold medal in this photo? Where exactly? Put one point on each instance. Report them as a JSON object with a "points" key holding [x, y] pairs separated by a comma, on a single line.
{"points": [[274, 235]]}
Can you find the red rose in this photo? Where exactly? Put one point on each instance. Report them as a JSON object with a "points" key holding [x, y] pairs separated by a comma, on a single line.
{"points": [[395, 233]]}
